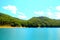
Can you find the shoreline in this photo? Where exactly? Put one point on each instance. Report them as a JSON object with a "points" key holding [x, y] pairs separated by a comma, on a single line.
{"points": [[6, 26]]}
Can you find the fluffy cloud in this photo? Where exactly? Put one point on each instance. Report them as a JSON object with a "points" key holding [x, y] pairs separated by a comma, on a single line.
{"points": [[21, 15], [11, 8], [57, 15], [58, 8], [48, 13]]}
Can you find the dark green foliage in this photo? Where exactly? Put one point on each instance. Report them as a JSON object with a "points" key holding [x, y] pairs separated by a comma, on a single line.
{"points": [[44, 22], [8, 20], [33, 22]]}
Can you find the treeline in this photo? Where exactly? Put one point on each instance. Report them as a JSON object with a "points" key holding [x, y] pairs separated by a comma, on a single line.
{"points": [[33, 22], [45, 22]]}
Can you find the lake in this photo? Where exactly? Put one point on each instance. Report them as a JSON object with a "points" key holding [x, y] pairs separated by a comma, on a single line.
{"points": [[29, 33]]}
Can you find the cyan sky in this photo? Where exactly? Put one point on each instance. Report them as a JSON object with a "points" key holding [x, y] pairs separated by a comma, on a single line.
{"points": [[30, 8]]}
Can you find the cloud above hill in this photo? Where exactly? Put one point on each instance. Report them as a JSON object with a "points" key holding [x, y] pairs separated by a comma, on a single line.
{"points": [[58, 8], [21, 15], [49, 13], [11, 8], [14, 10]]}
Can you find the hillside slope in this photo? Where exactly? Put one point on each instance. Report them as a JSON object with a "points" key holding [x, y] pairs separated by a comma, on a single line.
{"points": [[33, 22], [8, 20]]}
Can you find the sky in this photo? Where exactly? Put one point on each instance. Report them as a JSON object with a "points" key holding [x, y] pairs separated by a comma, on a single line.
{"points": [[26, 9]]}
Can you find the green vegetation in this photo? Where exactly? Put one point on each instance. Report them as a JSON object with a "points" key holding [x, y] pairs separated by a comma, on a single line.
{"points": [[33, 22]]}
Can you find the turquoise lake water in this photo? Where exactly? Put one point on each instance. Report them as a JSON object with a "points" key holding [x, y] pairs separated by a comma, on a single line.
{"points": [[29, 33]]}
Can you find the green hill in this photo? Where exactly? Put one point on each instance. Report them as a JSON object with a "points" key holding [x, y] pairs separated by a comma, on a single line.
{"points": [[8, 20], [45, 22], [33, 22]]}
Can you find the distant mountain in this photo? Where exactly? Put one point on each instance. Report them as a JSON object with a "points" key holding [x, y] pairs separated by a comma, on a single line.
{"points": [[33, 22]]}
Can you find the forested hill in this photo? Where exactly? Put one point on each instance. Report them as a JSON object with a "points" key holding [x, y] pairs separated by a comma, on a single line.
{"points": [[8, 20], [33, 22]]}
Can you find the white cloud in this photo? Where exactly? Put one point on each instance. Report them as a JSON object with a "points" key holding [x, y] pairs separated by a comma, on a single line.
{"points": [[49, 14], [57, 15], [11, 8], [21, 15], [58, 8]]}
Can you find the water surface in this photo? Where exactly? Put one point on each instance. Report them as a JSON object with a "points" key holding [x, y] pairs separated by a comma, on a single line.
{"points": [[29, 33]]}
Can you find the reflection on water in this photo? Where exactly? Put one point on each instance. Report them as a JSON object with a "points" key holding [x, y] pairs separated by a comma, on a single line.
{"points": [[30, 34]]}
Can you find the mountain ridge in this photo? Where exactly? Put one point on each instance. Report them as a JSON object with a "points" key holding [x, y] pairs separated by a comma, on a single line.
{"points": [[33, 22]]}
